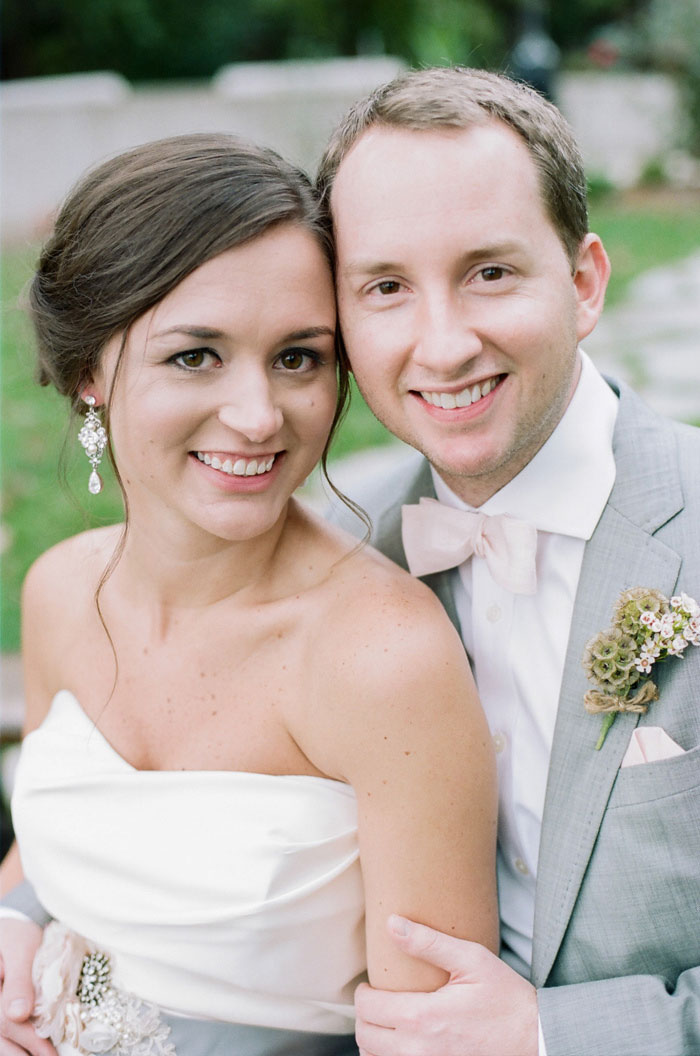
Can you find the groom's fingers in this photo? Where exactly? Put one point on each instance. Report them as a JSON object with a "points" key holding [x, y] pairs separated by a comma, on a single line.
{"points": [[385, 1008], [376, 1041], [19, 941], [20, 1039]]}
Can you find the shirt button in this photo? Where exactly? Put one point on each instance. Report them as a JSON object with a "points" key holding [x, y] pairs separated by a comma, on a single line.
{"points": [[499, 742], [521, 867], [493, 613]]}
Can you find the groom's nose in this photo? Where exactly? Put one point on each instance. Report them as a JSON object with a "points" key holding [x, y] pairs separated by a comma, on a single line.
{"points": [[445, 337]]}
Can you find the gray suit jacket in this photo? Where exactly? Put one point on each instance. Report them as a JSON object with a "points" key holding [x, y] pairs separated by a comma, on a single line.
{"points": [[617, 917]]}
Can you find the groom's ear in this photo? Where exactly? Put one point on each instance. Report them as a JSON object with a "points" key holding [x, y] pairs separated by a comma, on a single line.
{"points": [[590, 282]]}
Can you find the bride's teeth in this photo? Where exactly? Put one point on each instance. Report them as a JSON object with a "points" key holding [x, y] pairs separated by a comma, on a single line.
{"points": [[486, 387], [242, 467], [463, 399], [476, 393]]}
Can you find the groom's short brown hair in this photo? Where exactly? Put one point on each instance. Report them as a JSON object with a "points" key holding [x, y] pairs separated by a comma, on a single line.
{"points": [[458, 97]]}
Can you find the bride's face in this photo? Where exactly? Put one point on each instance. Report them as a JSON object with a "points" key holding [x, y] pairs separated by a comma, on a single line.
{"points": [[226, 390]]}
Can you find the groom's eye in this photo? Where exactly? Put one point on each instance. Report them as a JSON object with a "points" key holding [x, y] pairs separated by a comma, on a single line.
{"points": [[388, 287]]}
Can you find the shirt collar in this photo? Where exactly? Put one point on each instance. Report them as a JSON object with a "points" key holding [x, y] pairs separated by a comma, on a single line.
{"points": [[565, 487]]}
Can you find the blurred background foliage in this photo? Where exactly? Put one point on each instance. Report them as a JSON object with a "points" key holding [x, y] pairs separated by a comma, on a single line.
{"points": [[148, 40], [157, 40]]}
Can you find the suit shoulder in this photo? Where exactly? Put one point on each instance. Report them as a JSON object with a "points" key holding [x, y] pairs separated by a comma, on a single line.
{"points": [[379, 481], [688, 448]]}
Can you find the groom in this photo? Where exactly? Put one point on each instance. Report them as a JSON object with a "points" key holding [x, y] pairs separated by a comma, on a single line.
{"points": [[466, 279]]}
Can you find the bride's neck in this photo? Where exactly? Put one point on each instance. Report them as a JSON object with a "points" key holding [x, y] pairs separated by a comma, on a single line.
{"points": [[194, 571]]}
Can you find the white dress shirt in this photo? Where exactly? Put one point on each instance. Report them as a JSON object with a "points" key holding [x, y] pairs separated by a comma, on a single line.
{"points": [[517, 643]]}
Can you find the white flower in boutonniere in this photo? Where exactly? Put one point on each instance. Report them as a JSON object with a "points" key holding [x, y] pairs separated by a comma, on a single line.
{"points": [[647, 628]]}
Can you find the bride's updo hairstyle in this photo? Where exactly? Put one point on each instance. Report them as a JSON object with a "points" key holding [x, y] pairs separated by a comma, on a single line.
{"points": [[134, 227]]}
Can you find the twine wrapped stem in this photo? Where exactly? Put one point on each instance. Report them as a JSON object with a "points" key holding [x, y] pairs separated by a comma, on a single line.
{"points": [[598, 703]]}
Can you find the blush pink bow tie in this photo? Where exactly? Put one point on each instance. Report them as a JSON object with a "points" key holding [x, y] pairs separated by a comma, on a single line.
{"points": [[437, 537]]}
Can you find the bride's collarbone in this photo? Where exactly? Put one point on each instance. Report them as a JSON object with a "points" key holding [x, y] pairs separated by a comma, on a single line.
{"points": [[222, 701]]}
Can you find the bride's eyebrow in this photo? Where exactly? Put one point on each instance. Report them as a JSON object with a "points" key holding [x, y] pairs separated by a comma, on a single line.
{"points": [[202, 333], [208, 333], [309, 332]]}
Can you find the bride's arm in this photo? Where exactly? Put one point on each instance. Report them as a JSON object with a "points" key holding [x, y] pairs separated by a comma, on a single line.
{"points": [[407, 731], [20, 938]]}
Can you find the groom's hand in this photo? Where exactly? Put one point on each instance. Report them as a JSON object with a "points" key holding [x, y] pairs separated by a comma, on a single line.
{"points": [[485, 1008], [19, 941]]}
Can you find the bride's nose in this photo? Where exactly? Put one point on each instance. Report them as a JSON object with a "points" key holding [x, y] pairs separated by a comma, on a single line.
{"points": [[250, 408]]}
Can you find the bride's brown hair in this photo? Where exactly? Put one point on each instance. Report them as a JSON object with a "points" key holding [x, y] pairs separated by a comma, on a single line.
{"points": [[134, 227]]}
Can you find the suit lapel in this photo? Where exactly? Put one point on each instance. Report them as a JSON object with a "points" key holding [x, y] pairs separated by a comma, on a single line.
{"points": [[621, 554]]}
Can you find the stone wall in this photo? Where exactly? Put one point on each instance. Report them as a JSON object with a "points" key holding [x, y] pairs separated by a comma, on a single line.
{"points": [[54, 128]]}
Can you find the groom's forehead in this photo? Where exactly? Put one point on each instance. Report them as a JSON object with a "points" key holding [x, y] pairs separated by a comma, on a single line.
{"points": [[388, 164]]}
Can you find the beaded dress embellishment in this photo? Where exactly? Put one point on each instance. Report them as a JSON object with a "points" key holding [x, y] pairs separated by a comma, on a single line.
{"points": [[78, 1007]]}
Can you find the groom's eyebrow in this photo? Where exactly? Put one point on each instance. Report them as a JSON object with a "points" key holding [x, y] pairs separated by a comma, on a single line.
{"points": [[369, 267], [494, 250]]}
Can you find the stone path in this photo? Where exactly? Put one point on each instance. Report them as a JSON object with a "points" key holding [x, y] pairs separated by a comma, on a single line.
{"points": [[652, 341]]}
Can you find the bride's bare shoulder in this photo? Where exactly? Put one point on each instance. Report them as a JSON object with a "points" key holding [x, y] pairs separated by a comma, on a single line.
{"points": [[367, 593], [65, 571]]}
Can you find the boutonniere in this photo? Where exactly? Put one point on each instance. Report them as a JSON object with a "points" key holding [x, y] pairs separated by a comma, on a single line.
{"points": [[647, 628]]}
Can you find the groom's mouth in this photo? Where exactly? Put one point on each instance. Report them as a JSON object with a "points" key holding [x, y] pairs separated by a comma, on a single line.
{"points": [[476, 394]]}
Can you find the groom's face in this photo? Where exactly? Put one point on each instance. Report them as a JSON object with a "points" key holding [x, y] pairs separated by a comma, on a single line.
{"points": [[457, 301]]}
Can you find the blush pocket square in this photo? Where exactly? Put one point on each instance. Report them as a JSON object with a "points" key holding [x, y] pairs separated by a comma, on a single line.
{"points": [[649, 744]]}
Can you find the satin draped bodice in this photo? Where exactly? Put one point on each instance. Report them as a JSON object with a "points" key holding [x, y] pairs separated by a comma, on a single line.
{"points": [[230, 895]]}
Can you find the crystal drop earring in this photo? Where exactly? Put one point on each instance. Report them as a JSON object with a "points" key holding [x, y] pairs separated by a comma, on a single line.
{"points": [[93, 437]]}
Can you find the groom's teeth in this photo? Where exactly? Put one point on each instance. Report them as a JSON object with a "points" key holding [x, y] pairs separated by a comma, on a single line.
{"points": [[242, 467], [450, 400]]}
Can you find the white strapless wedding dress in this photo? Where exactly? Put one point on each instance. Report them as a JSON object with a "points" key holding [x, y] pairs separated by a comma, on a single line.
{"points": [[219, 895]]}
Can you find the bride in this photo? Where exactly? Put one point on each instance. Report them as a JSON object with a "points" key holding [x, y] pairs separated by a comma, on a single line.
{"points": [[248, 740]]}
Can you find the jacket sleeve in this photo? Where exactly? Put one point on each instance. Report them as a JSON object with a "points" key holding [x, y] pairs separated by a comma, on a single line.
{"points": [[23, 899], [633, 1015]]}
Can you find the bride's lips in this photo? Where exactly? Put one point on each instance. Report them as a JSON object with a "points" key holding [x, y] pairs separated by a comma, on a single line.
{"points": [[234, 472]]}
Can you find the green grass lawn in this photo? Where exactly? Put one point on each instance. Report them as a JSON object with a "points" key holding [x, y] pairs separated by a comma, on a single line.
{"points": [[38, 511]]}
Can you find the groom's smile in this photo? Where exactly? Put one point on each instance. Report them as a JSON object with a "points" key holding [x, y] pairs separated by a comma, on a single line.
{"points": [[458, 305], [469, 395]]}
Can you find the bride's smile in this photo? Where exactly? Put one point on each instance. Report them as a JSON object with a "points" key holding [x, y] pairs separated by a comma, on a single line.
{"points": [[226, 389]]}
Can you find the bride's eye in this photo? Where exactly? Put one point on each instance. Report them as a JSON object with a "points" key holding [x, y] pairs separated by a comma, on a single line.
{"points": [[194, 359], [296, 360]]}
